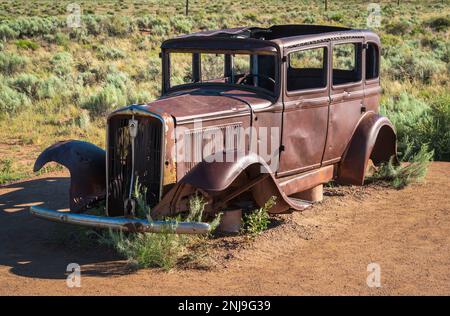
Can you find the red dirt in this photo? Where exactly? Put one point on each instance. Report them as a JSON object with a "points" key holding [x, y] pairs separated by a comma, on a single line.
{"points": [[324, 250]]}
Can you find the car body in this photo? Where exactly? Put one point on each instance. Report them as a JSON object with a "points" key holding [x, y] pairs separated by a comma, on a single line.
{"points": [[298, 102]]}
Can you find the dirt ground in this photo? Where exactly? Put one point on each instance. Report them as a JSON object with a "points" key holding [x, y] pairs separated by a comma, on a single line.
{"points": [[324, 250]]}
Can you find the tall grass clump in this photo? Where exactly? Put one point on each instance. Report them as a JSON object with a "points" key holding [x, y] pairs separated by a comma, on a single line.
{"points": [[402, 175], [149, 250], [165, 249]]}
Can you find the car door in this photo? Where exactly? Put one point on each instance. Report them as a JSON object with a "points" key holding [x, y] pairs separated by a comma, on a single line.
{"points": [[305, 113], [346, 94]]}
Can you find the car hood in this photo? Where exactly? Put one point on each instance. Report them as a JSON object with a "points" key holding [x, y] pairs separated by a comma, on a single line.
{"points": [[208, 103]]}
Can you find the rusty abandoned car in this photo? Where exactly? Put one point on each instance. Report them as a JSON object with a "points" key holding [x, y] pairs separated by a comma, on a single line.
{"points": [[308, 95]]}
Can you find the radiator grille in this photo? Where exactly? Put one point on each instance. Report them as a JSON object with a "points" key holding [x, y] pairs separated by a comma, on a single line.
{"points": [[147, 161]]}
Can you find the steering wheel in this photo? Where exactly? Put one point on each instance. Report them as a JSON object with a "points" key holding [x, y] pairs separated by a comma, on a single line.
{"points": [[244, 79]]}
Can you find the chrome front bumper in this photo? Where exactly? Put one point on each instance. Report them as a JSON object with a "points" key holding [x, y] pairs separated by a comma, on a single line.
{"points": [[121, 223]]}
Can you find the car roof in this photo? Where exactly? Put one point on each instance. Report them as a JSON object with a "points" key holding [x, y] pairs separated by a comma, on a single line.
{"points": [[283, 36]]}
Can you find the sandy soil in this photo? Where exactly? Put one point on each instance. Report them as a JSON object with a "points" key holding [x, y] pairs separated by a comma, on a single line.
{"points": [[324, 250]]}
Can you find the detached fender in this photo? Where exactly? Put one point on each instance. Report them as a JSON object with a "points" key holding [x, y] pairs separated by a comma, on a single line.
{"points": [[375, 139], [217, 176], [87, 165]]}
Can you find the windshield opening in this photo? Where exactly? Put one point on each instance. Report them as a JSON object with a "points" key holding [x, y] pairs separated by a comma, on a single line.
{"points": [[249, 70]]}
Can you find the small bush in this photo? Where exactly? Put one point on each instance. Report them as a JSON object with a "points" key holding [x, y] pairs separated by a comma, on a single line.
{"points": [[336, 16], [435, 127], [108, 98], [51, 87], [11, 63], [11, 101], [419, 123], [118, 25], [7, 33], [61, 64], [161, 250], [27, 83], [110, 53], [258, 221], [400, 176], [26, 44]]}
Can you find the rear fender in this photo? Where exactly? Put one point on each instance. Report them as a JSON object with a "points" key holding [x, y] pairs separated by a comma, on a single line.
{"points": [[87, 166], [375, 139]]}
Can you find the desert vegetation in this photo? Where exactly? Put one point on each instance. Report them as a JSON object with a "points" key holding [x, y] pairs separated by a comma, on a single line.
{"points": [[58, 82]]}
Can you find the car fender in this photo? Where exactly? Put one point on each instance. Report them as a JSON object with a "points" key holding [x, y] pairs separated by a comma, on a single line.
{"points": [[87, 166], [374, 138], [217, 176]]}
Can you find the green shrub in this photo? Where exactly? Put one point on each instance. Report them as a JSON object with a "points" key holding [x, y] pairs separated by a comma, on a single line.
{"points": [[256, 222], [51, 87], [181, 24], [150, 73], [400, 176], [407, 62], [336, 16], [35, 26], [110, 53], [11, 63], [61, 64], [27, 83], [406, 113], [26, 44], [161, 250], [418, 123], [11, 101], [117, 78], [118, 25], [435, 127], [108, 98], [7, 33]]}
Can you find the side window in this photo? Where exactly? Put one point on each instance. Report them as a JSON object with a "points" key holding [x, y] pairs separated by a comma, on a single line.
{"points": [[346, 63], [372, 61], [307, 69]]}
